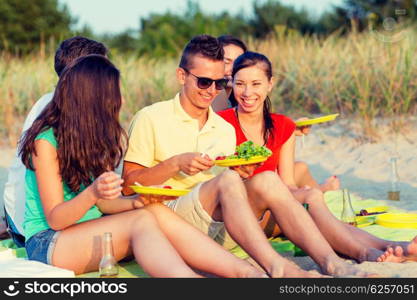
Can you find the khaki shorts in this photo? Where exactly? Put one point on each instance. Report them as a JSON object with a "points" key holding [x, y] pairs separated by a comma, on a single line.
{"points": [[189, 208]]}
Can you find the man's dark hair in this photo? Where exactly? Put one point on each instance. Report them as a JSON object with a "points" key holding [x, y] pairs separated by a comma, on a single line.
{"points": [[72, 48], [226, 40], [204, 45]]}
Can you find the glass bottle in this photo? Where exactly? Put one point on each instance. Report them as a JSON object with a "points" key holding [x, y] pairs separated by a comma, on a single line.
{"points": [[348, 214], [394, 192], [108, 265]]}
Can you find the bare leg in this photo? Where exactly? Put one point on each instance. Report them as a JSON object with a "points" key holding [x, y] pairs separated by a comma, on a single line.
{"points": [[346, 239], [408, 248], [224, 198], [266, 190], [202, 253], [303, 177], [135, 231], [372, 247]]}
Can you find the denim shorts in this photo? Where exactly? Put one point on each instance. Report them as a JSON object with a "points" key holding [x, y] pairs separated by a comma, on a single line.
{"points": [[40, 246]]}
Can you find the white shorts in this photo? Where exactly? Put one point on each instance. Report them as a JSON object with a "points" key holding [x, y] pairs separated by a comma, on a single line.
{"points": [[190, 209]]}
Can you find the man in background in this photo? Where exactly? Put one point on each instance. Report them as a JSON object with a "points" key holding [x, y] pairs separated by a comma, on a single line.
{"points": [[233, 47]]}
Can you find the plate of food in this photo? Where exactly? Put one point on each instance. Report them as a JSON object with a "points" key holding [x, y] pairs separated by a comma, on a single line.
{"points": [[397, 220], [232, 162], [246, 153], [156, 190], [316, 120]]}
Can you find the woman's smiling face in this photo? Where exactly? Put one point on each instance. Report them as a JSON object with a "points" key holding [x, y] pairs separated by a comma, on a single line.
{"points": [[251, 86]]}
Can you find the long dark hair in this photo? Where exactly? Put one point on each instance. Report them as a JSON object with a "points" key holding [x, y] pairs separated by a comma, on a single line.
{"points": [[249, 59], [84, 115]]}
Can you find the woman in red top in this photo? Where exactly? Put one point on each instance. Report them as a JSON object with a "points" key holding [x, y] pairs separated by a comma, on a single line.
{"points": [[234, 47], [252, 120]]}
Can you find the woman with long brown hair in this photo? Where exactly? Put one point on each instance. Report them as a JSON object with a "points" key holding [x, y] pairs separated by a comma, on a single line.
{"points": [[70, 153]]}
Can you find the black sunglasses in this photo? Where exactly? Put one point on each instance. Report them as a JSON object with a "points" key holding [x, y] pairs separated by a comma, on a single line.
{"points": [[205, 83]]}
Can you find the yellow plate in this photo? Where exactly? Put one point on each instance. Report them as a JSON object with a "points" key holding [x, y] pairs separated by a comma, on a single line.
{"points": [[397, 220], [363, 221], [149, 190], [316, 120], [239, 161], [374, 209]]}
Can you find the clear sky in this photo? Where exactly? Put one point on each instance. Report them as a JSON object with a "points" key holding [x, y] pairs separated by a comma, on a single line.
{"points": [[111, 16]]}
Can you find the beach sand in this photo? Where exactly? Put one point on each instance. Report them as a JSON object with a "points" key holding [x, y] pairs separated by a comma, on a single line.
{"points": [[338, 148], [363, 167]]}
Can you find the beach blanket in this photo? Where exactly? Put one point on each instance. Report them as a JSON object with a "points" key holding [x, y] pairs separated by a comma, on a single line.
{"points": [[281, 244], [10, 253]]}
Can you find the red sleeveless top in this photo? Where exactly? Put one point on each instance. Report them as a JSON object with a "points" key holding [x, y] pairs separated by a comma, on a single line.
{"points": [[283, 129]]}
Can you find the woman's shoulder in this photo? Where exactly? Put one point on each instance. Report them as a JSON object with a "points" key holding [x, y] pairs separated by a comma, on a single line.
{"points": [[227, 113], [49, 135]]}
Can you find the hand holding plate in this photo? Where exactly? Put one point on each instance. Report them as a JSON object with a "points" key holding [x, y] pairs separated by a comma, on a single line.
{"points": [[304, 129], [246, 171], [147, 199]]}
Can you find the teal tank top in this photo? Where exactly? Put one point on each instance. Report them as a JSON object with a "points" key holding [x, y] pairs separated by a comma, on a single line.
{"points": [[35, 220]]}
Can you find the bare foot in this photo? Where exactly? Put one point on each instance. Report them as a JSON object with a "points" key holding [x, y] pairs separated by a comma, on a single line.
{"points": [[392, 255], [251, 271], [331, 184], [339, 268], [400, 253], [288, 269], [255, 274]]}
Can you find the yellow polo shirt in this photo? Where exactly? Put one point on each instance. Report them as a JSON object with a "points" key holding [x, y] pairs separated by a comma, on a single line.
{"points": [[163, 130]]}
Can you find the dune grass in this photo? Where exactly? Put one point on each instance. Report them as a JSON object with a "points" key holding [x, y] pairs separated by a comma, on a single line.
{"points": [[357, 76]]}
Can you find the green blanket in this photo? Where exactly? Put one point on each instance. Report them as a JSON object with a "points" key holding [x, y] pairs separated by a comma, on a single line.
{"points": [[281, 245]]}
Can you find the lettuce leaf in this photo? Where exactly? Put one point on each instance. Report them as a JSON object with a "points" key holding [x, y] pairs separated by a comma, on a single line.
{"points": [[248, 149]]}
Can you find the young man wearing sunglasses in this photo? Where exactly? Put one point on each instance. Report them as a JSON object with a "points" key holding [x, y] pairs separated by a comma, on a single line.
{"points": [[173, 142]]}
